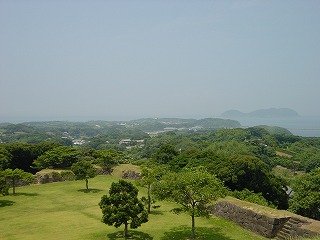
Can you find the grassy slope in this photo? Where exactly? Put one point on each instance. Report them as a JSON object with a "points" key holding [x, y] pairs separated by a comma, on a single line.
{"points": [[66, 211]]}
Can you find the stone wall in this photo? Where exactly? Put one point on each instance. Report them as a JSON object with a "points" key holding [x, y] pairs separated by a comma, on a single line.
{"points": [[266, 225], [132, 175], [253, 221], [54, 176]]}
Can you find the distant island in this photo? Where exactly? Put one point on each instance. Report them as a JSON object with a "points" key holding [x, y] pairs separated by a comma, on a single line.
{"points": [[262, 113]]}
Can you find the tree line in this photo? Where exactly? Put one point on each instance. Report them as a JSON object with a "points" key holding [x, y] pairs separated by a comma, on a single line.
{"points": [[242, 159]]}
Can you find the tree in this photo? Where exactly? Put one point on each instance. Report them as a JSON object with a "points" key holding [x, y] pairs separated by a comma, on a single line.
{"points": [[12, 176], [306, 197], [22, 155], [122, 206], [84, 170], [244, 171], [107, 158], [5, 157], [192, 189], [165, 153], [59, 157], [250, 196], [4, 186], [150, 175]]}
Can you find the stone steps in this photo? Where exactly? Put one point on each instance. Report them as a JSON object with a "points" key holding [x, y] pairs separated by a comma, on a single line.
{"points": [[287, 231]]}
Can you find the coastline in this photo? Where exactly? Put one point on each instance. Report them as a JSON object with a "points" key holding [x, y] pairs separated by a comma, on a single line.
{"points": [[299, 126]]}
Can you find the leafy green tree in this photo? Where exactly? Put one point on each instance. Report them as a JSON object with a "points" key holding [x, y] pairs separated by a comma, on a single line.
{"points": [[12, 176], [165, 153], [192, 189], [122, 206], [306, 197], [226, 135], [229, 148], [4, 186], [182, 160], [108, 158], [149, 175], [250, 196], [5, 157], [59, 157], [67, 176], [22, 155], [258, 131], [84, 170], [240, 171]]}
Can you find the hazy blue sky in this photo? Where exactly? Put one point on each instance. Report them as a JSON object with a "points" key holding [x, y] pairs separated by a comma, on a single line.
{"points": [[90, 60]]}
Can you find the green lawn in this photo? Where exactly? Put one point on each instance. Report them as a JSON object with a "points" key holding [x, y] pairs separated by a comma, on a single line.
{"points": [[66, 211]]}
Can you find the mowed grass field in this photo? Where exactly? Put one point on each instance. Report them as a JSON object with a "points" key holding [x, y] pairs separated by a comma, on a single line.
{"points": [[66, 211]]}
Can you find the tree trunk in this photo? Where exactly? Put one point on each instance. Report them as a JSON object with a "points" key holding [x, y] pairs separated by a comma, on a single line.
{"points": [[149, 198], [192, 227], [125, 233], [87, 184], [13, 186]]}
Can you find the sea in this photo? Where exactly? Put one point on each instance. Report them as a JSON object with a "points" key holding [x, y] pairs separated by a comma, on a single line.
{"points": [[299, 126]]}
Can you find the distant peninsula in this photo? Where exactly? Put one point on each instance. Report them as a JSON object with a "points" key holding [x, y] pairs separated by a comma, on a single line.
{"points": [[262, 113]]}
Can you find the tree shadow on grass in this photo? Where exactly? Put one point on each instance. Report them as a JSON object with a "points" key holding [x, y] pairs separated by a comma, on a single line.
{"points": [[136, 235], [90, 190], [25, 194], [202, 233], [156, 212], [6, 203]]}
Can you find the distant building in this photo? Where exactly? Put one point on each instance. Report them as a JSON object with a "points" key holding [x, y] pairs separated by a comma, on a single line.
{"points": [[125, 141], [78, 142]]}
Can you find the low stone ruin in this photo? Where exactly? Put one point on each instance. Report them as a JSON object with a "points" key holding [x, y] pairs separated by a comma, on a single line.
{"points": [[131, 175], [282, 226], [54, 176]]}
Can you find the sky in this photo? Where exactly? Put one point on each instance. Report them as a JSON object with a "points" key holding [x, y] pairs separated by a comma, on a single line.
{"points": [[123, 59]]}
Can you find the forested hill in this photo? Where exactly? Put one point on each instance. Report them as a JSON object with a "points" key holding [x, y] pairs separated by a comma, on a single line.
{"points": [[145, 124], [160, 124], [33, 132]]}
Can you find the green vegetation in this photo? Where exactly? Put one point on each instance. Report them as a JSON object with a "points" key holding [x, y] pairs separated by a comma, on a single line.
{"points": [[251, 196], [122, 206], [13, 176], [67, 211], [257, 164], [4, 186], [276, 130], [84, 170], [306, 199], [59, 157], [192, 189], [104, 134], [149, 176]]}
